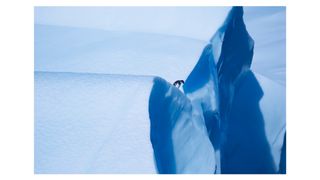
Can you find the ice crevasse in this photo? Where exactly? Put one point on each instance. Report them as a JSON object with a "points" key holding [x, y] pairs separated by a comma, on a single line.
{"points": [[227, 118]]}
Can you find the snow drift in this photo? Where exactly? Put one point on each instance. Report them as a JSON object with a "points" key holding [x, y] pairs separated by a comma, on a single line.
{"points": [[84, 123], [70, 49]]}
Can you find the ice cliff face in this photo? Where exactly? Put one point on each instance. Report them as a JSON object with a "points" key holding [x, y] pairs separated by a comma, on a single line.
{"points": [[178, 132], [201, 88], [231, 98]]}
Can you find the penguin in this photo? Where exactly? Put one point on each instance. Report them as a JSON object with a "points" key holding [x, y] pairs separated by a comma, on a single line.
{"points": [[178, 83]]}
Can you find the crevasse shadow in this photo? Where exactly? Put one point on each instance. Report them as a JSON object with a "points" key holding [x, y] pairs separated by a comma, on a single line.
{"points": [[245, 146]]}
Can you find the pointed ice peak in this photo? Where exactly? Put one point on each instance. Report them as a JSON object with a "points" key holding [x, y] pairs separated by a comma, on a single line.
{"points": [[230, 44]]}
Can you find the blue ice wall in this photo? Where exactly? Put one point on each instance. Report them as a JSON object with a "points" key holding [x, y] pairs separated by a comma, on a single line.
{"points": [[178, 132], [237, 104]]}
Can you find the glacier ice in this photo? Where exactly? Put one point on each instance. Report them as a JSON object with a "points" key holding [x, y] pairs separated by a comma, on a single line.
{"points": [[178, 132], [244, 111], [201, 88], [229, 117]]}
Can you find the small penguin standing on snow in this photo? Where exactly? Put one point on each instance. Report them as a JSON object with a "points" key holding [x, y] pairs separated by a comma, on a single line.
{"points": [[178, 83]]}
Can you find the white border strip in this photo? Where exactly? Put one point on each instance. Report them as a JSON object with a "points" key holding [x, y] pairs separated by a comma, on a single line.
{"points": [[161, 3]]}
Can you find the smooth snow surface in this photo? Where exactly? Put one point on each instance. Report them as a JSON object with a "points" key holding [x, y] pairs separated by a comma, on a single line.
{"points": [[92, 123], [267, 26], [190, 22], [65, 49], [80, 40]]}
